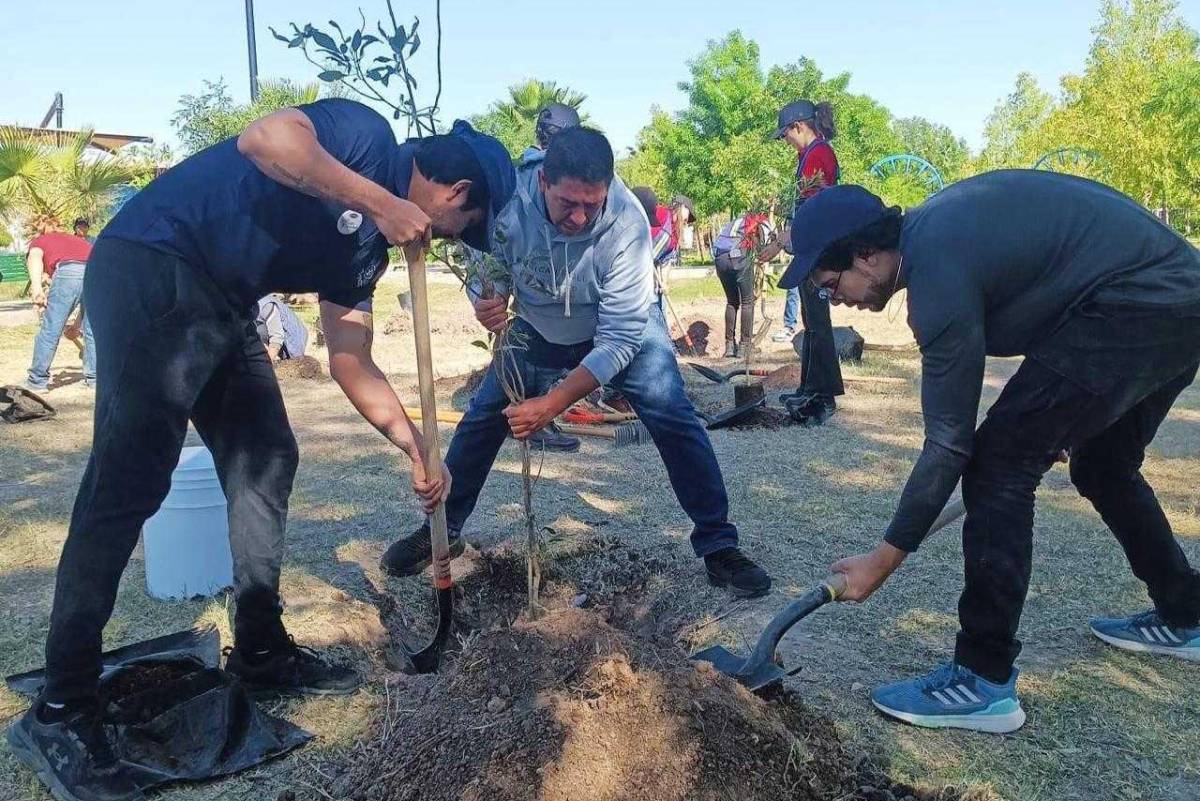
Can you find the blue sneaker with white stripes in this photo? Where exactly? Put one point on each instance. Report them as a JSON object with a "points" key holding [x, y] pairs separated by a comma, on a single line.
{"points": [[1148, 633], [955, 697]]}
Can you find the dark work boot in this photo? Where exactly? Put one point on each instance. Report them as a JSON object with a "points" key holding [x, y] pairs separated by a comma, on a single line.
{"points": [[809, 409], [729, 567], [289, 668], [410, 555], [69, 751]]}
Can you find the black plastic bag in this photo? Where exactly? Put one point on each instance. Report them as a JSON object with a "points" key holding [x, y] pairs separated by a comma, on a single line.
{"points": [[19, 405], [172, 715], [846, 341]]}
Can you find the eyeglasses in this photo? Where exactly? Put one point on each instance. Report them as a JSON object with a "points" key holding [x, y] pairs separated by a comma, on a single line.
{"points": [[826, 293]]}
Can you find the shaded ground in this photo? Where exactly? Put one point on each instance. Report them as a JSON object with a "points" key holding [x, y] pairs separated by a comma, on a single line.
{"points": [[1103, 724]]}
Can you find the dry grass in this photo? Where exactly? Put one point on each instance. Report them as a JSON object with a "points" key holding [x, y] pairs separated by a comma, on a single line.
{"points": [[1102, 724]]}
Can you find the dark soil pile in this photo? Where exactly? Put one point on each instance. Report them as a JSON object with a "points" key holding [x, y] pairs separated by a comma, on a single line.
{"points": [[305, 367], [699, 332], [569, 708]]}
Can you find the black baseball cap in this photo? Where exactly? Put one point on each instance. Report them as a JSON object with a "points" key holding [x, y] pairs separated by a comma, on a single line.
{"points": [[497, 168], [823, 219], [796, 111]]}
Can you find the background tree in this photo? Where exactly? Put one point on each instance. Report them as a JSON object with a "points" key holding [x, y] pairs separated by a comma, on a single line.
{"points": [[717, 150], [513, 119], [1123, 106], [210, 116], [935, 143], [1013, 135], [41, 179]]}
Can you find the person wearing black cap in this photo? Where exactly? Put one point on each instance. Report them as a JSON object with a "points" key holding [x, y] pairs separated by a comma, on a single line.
{"points": [[306, 199], [1103, 301], [808, 127]]}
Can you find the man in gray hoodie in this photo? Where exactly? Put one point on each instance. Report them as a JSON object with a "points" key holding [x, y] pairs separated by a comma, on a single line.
{"points": [[575, 247]]}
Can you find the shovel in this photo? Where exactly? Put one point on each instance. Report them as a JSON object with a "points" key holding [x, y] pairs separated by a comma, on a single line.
{"points": [[428, 659], [714, 421], [724, 378], [760, 669]]}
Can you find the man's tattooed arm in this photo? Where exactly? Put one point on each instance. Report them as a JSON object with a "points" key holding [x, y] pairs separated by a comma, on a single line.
{"points": [[284, 146]]}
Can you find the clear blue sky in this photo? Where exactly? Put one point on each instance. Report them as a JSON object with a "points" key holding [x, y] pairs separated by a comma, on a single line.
{"points": [[123, 66]]}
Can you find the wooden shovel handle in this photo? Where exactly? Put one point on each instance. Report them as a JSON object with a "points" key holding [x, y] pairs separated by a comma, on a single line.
{"points": [[432, 452]]}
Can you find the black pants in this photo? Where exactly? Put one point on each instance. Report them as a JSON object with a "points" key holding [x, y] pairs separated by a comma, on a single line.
{"points": [[169, 347], [1101, 387], [820, 370], [737, 279]]}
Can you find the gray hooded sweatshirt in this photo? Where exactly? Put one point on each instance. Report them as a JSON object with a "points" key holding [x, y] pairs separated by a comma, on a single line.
{"points": [[597, 285]]}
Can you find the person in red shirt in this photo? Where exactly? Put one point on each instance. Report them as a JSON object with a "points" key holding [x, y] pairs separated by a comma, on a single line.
{"points": [[60, 259], [808, 127]]}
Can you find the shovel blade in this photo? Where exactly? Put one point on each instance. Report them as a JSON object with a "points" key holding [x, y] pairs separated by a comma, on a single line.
{"points": [[429, 658], [735, 667]]}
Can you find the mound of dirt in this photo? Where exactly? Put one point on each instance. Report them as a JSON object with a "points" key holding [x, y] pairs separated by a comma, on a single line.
{"points": [[783, 378], [305, 367], [699, 332], [568, 708]]}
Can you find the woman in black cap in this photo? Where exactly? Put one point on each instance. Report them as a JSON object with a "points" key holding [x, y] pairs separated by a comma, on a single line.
{"points": [[808, 127]]}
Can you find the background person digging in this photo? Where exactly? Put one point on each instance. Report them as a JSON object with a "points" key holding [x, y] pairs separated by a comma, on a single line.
{"points": [[743, 243], [1103, 300], [60, 259], [577, 246], [306, 199]]}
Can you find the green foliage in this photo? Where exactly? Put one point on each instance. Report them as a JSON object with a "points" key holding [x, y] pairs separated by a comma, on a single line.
{"points": [[40, 179], [1127, 105], [367, 66], [210, 116], [717, 150], [1013, 133], [513, 119], [935, 143]]}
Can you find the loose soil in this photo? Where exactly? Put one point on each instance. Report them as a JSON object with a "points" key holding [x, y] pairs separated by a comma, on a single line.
{"points": [[572, 708]]}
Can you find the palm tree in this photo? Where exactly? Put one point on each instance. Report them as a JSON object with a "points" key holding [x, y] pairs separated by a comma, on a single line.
{"points": [[529, 97], [21, 170], [39, 179]]}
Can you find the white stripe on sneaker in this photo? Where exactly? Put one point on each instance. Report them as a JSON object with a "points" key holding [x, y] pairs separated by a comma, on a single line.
{"points": [[942, 698], [962, 688], [957, 699], [1171, 634], [1146, 635]]}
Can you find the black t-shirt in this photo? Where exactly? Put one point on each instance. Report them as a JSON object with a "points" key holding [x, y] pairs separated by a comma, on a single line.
{"points": [[253, 235], [994, 265]]}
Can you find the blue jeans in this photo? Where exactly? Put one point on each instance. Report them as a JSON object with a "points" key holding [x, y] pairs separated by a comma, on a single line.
{"points": [[791, 308], [66, 290], [654, 388]]}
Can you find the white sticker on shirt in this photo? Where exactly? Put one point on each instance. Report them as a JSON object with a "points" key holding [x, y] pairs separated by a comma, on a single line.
{"points": [[349, 222]]}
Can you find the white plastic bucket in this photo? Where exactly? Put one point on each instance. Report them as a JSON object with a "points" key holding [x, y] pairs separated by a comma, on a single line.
{"points": [[186, 542]]}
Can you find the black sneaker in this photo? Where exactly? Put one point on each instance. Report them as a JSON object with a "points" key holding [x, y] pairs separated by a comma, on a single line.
{"points": [[809, 409], [72, 756], [729, 567], [412, 554], [290, 669]]}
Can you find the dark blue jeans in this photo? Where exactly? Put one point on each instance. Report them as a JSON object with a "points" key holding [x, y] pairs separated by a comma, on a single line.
{"points": [[654, 388]]}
